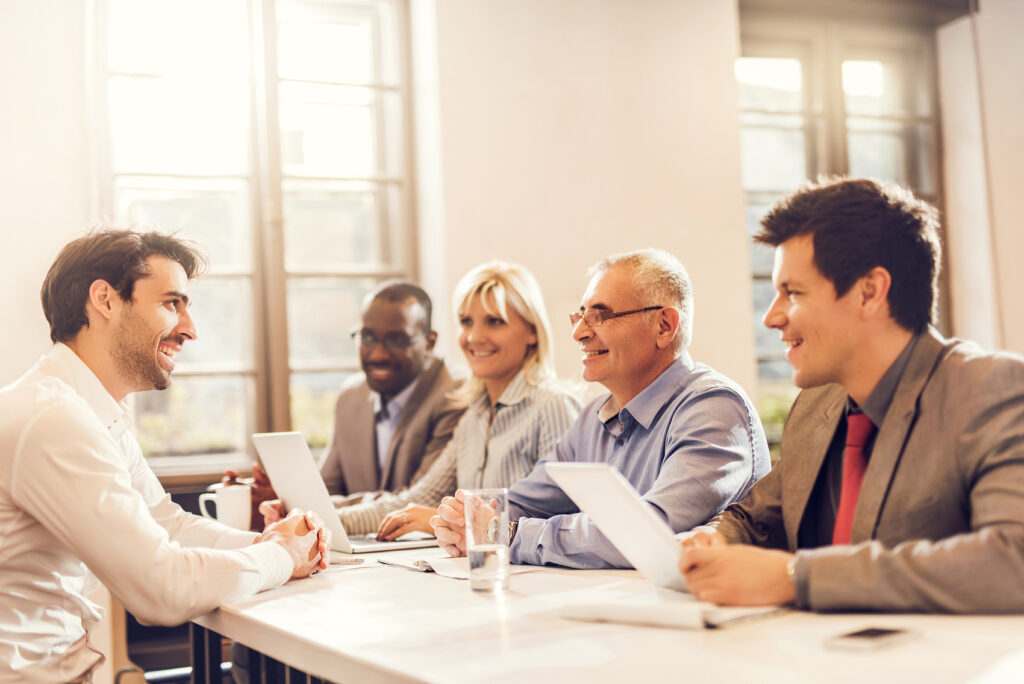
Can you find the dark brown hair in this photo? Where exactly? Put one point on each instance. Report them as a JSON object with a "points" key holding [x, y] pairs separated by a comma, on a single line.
{"points": [[114, 255], [858, 224]]}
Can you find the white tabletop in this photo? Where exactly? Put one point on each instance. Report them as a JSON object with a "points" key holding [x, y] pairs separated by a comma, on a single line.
{"points": [[381, 624]]}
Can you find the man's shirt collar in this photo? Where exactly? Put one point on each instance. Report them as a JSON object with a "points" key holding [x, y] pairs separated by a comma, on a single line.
{"points": [[114, 415], [397, 402], [877, 404], [645, 406]]}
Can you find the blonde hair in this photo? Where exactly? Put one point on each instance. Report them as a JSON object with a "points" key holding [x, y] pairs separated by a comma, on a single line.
{"points": [[509, 285]]}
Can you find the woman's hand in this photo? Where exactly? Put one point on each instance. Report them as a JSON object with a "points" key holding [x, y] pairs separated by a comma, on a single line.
{"points": [[412, 518]]}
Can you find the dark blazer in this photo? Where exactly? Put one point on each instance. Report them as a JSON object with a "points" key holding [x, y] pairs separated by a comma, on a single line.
{"points": [[939, 524], [349, 463]]}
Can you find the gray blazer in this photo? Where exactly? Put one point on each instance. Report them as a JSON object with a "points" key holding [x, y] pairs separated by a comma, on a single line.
{"points": [[939, 524], [349, 463]]}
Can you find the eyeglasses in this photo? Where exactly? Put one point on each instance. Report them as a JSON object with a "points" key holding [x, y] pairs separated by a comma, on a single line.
{"points": [[393, 341], [595, 317]]}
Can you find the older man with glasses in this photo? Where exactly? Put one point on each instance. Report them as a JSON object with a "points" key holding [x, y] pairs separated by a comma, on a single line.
{"points": [[683, 434]]}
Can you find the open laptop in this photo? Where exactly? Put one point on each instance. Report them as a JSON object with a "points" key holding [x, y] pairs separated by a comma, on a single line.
{"points": [[629, 522], [289, 463]]}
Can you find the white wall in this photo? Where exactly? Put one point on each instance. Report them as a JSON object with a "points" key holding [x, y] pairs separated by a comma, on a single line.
{"points": [[981, 71], [44, 191], [565, 131]]}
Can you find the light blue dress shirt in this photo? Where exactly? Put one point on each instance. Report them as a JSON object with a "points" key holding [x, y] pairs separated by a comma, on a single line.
{"points": [[691, 443], [387, 421]]}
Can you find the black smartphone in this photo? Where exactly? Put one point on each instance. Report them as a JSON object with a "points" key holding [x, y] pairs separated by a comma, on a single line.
{"points": [[867, 639]]}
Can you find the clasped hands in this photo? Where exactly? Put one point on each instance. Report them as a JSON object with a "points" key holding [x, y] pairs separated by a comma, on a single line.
{"points": [[304, 537], [449, 524]]}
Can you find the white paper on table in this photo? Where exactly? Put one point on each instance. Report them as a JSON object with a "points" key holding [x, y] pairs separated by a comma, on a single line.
{"points": [[683, 614], [455, 568]]}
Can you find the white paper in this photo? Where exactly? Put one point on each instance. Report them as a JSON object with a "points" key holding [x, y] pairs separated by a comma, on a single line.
{"points": [[455, 568], [672, 614]]}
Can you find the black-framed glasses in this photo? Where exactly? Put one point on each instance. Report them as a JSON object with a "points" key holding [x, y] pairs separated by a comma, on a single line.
{"points": [[595, 317], [393, 341]]}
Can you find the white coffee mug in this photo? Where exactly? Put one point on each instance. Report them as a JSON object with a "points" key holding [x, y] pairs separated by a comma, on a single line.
{"points": [[233, 505]]}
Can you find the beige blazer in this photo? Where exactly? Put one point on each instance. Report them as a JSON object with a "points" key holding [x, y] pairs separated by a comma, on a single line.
{"points": [[939, 524], [349, 463]]}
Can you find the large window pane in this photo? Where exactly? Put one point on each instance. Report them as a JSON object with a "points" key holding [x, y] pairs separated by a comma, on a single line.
{"points": [[213, 213], [184, 36], [332, 223], [322, 313], [313, 398], [222, 311], [767, 339], [328, 130], [762, 257], [179, 125], [312, 48], [770, 83], [892, 151], [195, 415], [773, 151], [871, 88]]}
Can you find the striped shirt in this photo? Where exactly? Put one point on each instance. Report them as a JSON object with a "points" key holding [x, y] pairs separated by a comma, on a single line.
{"points": [[528, 422]]}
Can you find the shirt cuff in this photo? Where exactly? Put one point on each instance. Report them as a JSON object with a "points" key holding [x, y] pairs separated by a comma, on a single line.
{"points": [[525, 549], [273, 563], [802, 567]]}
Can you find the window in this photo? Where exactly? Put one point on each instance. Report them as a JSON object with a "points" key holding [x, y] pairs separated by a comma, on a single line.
{"points": [[271, 132], [826, 97]]}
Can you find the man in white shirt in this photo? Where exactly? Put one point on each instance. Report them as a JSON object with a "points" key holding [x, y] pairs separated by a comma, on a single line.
{"points": [[78, 501]]}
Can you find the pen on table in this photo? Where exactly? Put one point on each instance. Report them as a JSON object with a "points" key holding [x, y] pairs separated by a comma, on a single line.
{"points": [[347, 561]]}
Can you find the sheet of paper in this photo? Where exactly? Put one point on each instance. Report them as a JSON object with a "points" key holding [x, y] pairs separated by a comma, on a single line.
{"points": [[455, 568], [690, 614]]}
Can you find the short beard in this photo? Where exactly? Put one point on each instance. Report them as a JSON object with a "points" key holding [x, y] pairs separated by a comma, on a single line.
{"points": [[135, 359]]}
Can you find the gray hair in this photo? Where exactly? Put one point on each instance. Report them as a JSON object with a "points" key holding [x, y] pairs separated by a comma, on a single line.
{"points": [[660, 280]]}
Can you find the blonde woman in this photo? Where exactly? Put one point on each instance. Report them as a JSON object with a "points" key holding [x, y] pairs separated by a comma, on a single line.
{"points": [[515, 409]]}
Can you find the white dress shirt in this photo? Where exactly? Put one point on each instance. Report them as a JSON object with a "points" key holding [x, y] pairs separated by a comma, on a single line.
{"points": [[79, 502]]}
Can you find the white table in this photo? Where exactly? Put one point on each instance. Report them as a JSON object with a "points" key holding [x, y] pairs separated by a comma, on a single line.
{"points": [[385, 624]]}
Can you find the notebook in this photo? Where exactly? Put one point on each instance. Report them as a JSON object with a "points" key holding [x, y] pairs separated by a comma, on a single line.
{"points": [[289, 463]]}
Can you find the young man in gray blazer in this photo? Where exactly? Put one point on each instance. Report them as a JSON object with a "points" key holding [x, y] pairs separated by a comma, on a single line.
{"points": [[392, 421], [924, 511]]}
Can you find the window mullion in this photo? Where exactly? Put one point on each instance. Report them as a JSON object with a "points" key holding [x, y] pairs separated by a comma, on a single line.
{"points": [[834, 100], [269, 221]]}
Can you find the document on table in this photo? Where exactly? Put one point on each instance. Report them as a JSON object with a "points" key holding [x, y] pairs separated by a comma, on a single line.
{"points": [[455, 568], [686, 613]]}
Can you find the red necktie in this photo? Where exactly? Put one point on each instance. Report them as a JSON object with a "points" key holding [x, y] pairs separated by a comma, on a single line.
{"points": [[859, 429]]}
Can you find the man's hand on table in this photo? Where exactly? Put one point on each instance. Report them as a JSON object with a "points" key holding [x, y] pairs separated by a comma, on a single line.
{"points": [[304, 537], [412, 518], [450, 523], [734, 574]]}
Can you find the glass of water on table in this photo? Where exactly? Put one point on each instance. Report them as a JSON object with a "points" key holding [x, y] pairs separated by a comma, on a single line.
{"points": [[487, 538]]}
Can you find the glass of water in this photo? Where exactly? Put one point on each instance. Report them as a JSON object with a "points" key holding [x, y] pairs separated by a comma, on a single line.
{"points": [[487, 538]]}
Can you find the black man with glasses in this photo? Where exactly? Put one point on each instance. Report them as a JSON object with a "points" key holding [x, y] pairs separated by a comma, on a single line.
{"points": [[686, 437], [392, 421]]}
